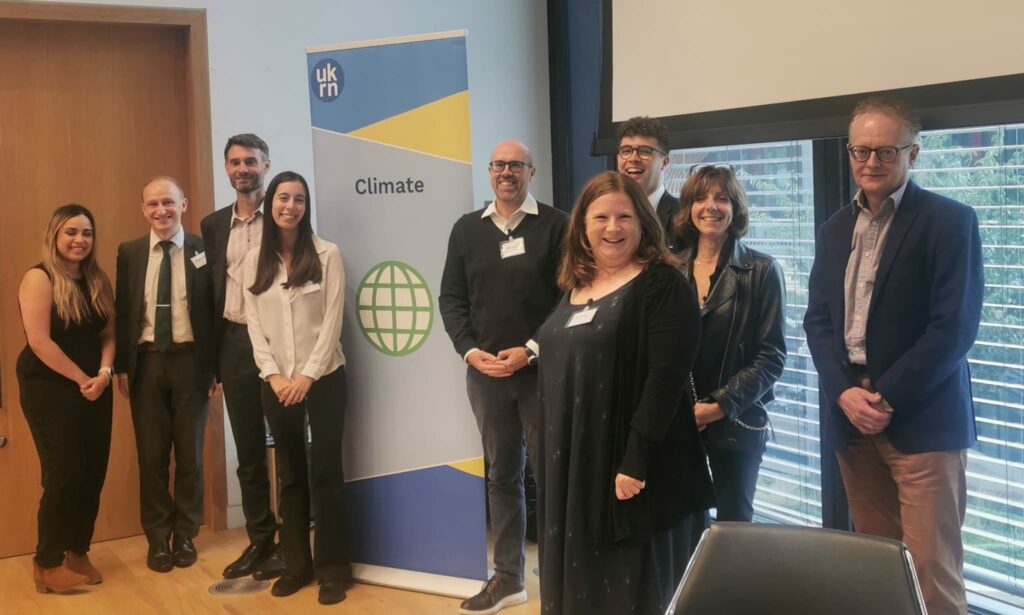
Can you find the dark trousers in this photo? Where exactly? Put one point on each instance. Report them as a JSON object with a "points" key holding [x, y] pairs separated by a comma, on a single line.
{"points": [[673, 549], [169, 407], [72, 437], [507, 411], [325, 409], [734, 475], [241, 381]]}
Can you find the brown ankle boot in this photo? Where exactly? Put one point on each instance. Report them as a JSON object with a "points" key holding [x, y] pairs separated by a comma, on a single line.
{"points": [[82, 565], [56, 579]]}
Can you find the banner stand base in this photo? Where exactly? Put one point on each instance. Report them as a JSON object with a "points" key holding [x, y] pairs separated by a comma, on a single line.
{"points": [[412, 580]]}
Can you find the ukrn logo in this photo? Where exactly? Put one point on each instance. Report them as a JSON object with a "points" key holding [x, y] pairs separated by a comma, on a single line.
{"points": [[327, 80]]}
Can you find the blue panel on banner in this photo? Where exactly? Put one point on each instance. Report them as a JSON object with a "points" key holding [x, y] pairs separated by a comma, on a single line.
{"points": [[419, 521], [353, 88]]}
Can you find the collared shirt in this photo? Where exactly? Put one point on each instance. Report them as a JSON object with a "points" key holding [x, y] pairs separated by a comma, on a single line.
{"points": [[529, 207], [655, 197], [244, 235], [181, 326], [869, 234], [297, 330]]}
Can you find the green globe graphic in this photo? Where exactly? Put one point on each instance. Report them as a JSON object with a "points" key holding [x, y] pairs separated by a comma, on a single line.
{"points": [[394, 308]]}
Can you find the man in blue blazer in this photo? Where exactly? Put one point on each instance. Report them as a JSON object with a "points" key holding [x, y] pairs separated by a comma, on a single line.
{"points": [[894, 303]]}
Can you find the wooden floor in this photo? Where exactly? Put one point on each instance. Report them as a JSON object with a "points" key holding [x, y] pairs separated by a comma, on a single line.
{"points": [[131, 588]]}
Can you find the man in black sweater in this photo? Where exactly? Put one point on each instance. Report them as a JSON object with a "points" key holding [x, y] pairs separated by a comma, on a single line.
{"points": [[497, 288]]}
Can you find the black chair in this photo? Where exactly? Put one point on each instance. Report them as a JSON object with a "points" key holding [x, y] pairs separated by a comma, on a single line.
{"points": [[758, 568]]}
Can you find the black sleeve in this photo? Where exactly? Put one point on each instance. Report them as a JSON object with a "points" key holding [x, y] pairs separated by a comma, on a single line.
{"points": [[122, 326], [672, 337], [753, 380], [209, 234], [453, 300]]}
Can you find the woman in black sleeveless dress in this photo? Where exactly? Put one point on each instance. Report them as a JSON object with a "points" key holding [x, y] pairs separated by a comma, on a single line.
{"points": [[64, 374]]}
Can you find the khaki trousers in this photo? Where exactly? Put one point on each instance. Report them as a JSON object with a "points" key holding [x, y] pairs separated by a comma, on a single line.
{"points": [[919, 498]]}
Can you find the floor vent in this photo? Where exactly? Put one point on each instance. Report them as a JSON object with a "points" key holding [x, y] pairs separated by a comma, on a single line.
{"points": [[238, 587]]}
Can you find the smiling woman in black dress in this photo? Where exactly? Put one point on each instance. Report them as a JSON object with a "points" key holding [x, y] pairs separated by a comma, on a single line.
{"points": [[622, 464], [64, 375]]}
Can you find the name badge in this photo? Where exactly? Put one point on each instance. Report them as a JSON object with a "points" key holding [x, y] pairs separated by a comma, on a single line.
{"points": [[513, 247], [309, 288], [199, 260], [582, 317]]}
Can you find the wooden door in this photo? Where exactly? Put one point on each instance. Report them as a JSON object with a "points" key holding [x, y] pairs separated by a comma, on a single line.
{"points": [[87, 113]]}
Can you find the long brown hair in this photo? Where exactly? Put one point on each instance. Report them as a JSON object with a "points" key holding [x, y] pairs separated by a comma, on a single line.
{"points": [[72, 305], [305, 263], [577, 267]]}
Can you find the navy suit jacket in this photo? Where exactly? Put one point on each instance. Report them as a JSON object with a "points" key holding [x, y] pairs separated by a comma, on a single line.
{"points": [[922, 321]]}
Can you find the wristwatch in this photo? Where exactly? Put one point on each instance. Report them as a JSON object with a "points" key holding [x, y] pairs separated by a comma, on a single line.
{"points": [[531, 356]]}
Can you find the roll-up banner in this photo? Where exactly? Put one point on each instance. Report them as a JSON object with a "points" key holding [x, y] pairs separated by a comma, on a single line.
{"points": [[391, 147]]}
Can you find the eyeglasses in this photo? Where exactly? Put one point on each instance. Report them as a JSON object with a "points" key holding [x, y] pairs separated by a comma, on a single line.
{"points": [[516, 166], [699, 167], [644, 152], [885, 154]]}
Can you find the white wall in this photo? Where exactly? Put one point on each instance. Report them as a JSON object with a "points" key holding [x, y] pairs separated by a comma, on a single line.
{"points": [[258, 80], [733, 54]]}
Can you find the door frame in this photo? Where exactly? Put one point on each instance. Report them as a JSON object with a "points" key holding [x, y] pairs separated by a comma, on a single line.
{"points": [[192, 22]]}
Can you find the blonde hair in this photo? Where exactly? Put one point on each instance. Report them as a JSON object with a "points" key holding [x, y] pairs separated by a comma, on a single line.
{"points": [[71, 304]]}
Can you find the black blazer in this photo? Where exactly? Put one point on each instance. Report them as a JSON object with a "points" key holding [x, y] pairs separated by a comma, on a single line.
{"points": [[132, 260], [216, 229], [668, 207], [922, 321]]}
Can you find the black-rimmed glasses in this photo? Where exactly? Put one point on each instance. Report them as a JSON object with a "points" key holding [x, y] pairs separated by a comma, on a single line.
{"points": [[516, 166], [644, 152], [886, 153]]}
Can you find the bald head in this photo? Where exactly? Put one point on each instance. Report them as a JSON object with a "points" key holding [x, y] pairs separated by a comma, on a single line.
{"points": [[163, 202], [511, 147], [511, 186]]}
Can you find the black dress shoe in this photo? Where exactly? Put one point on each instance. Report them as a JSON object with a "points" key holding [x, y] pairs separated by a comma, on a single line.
{"points": [[271, 568], [288, 584], [184, 552], [249, 562], [159, 556], [331, 592]]}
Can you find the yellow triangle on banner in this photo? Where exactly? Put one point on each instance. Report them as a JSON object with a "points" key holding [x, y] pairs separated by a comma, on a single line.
{"points": [[473, 466], [440, 128]]}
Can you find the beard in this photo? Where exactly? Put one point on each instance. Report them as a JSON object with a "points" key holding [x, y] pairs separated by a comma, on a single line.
{"points": [[247, 185]]}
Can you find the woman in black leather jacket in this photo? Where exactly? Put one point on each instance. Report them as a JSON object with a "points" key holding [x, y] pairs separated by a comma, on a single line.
{"points": [[742, 349]]}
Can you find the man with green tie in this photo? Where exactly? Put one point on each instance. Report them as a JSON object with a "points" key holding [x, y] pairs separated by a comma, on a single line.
{"points": [[164, 343]]}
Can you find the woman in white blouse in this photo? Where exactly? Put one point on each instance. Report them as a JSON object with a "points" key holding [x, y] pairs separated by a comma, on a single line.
{"points": [[293, 300]]}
